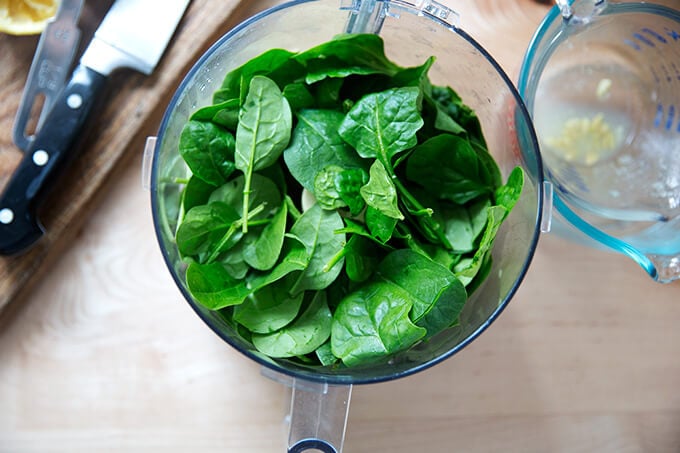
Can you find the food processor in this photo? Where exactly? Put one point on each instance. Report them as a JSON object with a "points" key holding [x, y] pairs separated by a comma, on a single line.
{"points": [[412, 31]]}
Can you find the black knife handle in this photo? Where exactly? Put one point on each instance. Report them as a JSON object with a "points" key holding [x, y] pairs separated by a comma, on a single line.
{"points": [[52, 148]]}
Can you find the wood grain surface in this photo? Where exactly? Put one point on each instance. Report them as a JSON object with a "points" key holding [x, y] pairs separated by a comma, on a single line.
{"points": [[104, 355]]}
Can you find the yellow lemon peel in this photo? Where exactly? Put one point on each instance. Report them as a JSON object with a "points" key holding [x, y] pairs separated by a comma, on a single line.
{"points": [[26, 17]]}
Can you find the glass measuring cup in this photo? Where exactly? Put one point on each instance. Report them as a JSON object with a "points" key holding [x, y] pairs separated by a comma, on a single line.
{"points": [[602, 83], [412, 31]]}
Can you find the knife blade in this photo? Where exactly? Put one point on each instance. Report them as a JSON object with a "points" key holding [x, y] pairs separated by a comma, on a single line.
{"points": [[133, 34]]}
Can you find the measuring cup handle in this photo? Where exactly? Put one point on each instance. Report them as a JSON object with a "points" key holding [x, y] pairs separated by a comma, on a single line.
{"points": [[312, 444]]}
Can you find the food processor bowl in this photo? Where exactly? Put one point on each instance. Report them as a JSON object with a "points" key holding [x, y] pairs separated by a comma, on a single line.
{"points": [[412, 31]]}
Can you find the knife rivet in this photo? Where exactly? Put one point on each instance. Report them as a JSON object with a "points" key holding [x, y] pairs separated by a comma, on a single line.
{"points": [[40, 157], [74, 101], [6, 216]]}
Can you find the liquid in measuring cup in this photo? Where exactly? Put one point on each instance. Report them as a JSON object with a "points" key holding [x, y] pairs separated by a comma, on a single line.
{"points": [[611, 154]]}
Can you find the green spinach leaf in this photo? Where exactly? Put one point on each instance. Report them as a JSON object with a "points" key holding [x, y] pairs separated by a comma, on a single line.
{"points": [[448, 166], [316, 229], [263, 191], [380, 225], [213, 287], [361, 258], [224, 114], [237, 79], [203, 228], [262, 252], [263, 132], [373, 322], [269, 309], [437, 295], [294, 259], [380, 193], [208, 150], [383, 124], [303, 336], [339, 56], [316, 145]]}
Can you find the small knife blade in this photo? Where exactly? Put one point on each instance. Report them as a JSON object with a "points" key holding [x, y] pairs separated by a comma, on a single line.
{"points": [[133, 34]]}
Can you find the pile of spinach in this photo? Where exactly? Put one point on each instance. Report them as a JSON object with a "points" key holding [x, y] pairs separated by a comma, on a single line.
{"points": [[405, 203]]}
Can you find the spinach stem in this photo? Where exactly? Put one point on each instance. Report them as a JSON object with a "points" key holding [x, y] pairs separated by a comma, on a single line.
{"points": [[246, 200], [235, 225], [418, 210], [335, 259], [292, 209]]}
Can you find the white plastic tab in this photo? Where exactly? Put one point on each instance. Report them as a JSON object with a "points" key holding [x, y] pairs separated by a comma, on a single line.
{"points": [[147, 160], [546, 219], [439, 11]]}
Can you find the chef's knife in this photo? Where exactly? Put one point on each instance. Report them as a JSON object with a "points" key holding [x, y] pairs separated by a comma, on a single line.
{"points": [[133, 34]]}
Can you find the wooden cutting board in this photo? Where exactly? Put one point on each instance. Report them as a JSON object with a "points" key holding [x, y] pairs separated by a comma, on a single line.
{"points": [[130, 112]]}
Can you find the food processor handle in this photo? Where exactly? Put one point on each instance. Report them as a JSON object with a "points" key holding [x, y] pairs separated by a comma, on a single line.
{"points": [[318, 416]]}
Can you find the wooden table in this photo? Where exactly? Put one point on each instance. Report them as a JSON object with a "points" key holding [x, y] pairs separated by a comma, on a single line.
{"points": [[103, 355]]}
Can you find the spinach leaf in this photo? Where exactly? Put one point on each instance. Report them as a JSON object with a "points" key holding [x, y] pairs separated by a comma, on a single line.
{"points": [[263, 192], [203, 228], [348, 184], [298, 96], [380, 225], [508, 194], [467, 270], [325, 354], [224, 114], [488, 170], [269, 309], [208, 150], [464, 224], [447, 165], [361, 258], [240, 77], [320, 69], [360, 229], [437, 295], [303, 336], [453, 106], [294, 259], [195, 193], [373, 322], [316, 229], [380, 193], [383, 124], [316, 145], [263, 251], [213, 287], [343, 53], [327, 93], [263, 132], [325, 190], [233, 261], [414, 77]]}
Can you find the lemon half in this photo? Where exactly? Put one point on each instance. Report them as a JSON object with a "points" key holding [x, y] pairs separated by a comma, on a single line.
{"points": [[26, 17]]}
